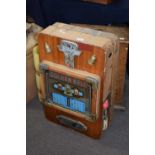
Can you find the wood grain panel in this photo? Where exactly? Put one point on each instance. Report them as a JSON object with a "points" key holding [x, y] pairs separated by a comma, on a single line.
{"points": [[81, 62]]}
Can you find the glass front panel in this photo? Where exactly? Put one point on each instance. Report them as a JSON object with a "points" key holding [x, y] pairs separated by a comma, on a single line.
{"points": [[68, 92]]}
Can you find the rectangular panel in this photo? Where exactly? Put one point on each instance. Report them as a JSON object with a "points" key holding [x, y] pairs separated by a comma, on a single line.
{"points": [[68, 92], [59, 99]]}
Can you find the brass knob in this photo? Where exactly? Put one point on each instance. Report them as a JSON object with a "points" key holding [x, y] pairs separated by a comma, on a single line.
{"points": [[92, 60], [68, 90], [76, 92], [47, 48]]}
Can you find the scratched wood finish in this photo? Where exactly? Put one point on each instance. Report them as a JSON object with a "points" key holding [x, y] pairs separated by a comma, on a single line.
{"points": [[81, 62]]}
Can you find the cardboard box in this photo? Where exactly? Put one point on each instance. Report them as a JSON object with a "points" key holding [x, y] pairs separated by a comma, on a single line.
{"points": [[31, 90]]}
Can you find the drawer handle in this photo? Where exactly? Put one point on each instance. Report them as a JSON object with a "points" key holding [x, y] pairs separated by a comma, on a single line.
{"points": [[71, 123]]}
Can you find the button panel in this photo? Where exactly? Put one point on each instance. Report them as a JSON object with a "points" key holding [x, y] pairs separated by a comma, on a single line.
{"points": [[73, 91], [69, 92]]}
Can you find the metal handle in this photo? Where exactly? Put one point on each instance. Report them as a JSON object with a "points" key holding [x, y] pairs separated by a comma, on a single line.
{"points": [[71, 123]]}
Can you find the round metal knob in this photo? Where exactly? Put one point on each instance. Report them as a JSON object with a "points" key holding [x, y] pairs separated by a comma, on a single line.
{"points": [[76, 92], [92, 60]]}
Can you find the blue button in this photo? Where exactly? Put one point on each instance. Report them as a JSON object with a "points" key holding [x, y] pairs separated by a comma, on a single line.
{"points": [[55, 86], [63, 88], [80, 93]]}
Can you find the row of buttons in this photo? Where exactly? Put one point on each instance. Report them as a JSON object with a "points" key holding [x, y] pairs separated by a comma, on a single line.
{"points": [[75, 91]]}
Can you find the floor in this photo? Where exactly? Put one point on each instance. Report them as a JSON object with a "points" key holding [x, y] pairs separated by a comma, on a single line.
{"points": [[46, 138]]}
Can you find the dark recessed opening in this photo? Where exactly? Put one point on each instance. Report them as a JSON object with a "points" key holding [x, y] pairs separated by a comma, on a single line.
{"points": [[110, 54]]}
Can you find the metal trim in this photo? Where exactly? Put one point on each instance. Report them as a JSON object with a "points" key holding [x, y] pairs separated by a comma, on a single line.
{"points": [[70, 49], [92, 81]]}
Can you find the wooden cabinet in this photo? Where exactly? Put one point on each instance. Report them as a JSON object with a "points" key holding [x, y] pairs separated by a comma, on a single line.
{"points": [[76, 66]]}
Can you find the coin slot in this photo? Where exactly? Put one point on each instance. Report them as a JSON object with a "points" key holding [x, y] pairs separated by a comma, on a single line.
{"points": [[71, 123], [110, 54]]}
